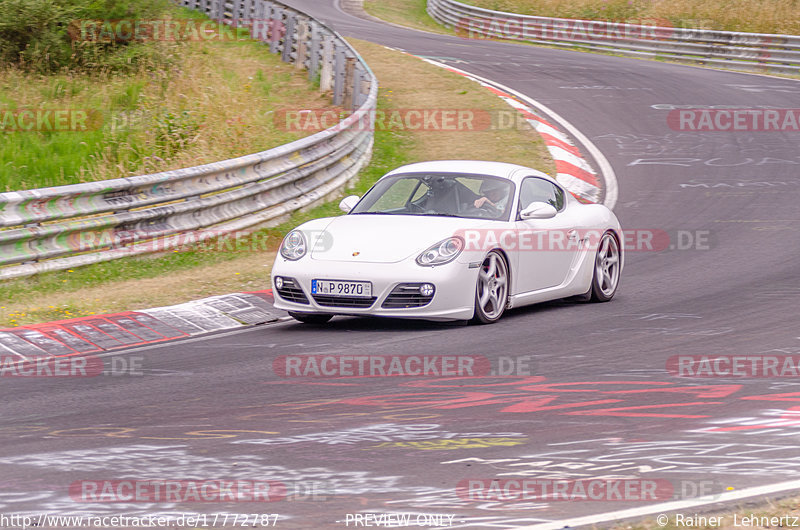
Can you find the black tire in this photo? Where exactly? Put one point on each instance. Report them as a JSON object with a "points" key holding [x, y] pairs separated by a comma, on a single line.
{"points": [[604, 285], [497, 293], [310, 318]]}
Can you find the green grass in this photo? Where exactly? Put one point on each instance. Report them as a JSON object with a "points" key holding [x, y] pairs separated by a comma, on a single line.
{"points": [[411, 13], [214, 104], [35, 161], [45, 35]]}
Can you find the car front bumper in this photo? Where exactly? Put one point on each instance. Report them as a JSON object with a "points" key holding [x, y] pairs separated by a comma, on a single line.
{"points": [[454, 298]]}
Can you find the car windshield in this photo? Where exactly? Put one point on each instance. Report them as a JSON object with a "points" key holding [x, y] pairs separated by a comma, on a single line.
{"points": [[439, 195]]}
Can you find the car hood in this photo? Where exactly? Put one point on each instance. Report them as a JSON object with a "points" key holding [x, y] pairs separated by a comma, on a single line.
{"points": [[366, 238]]}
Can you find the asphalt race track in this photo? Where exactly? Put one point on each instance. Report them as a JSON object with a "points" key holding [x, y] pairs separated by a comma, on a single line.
{"points": [[600, 403]]}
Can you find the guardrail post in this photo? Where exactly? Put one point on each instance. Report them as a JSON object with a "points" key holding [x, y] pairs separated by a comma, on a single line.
{"points": [[246, 14], [362, 87], [259, 26], [288, 37], [349, 82], [275, 28], [338, 73], [302, 44], [326, 78], [316, 50]]}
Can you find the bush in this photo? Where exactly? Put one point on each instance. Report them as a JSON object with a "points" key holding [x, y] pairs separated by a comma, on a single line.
{"points": [[35, 35]]}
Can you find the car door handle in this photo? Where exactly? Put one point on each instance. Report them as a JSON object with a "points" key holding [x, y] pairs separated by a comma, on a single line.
{"points": [[572, 234]]}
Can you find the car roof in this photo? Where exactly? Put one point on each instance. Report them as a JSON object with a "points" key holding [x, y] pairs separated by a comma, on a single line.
{"points": [[511, 172]]}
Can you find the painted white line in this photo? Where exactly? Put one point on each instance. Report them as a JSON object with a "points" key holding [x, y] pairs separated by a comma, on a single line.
{"points": [[665, 507], [606, 171], [22, 357]]}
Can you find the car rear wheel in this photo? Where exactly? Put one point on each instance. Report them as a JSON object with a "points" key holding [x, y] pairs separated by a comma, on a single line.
{"points": [[310, 318], [607, 264], [491, 293]]}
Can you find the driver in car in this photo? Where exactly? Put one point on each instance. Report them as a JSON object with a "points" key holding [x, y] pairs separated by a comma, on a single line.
{"points": [[494, 193]]}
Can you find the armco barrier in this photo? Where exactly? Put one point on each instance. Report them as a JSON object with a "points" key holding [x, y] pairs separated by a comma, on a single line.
{"points": [[68, 226], [739, 51]]}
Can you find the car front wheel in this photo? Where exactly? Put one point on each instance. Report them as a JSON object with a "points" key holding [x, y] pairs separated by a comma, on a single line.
{"points": [[491, 293], [606, 269]]}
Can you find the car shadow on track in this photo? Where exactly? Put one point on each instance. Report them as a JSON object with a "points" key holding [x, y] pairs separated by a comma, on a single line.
{"points": [[385, 324]]}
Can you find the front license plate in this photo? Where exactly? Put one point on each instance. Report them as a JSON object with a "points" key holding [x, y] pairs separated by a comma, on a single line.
{"points": [[339, 288]]}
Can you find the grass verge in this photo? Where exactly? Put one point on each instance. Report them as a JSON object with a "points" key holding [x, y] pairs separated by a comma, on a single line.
{"points": [[137, 283], [217, 101], [409, 13]]}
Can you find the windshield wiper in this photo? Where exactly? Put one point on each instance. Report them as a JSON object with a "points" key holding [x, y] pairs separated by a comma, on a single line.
{"points": [[444, 215], [416, 214]]}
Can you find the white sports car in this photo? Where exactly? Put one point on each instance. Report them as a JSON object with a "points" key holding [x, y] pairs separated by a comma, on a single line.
{"points": [[450, 240]]}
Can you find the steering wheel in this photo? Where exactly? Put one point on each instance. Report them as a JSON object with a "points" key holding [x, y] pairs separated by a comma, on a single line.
{"points": [[485, 208]]}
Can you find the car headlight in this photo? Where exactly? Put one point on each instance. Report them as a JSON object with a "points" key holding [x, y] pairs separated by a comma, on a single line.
{"points": [[294, 246], [442, 252]]}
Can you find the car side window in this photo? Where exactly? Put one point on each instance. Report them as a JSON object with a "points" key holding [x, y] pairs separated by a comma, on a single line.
{"points": [[534, 189]]}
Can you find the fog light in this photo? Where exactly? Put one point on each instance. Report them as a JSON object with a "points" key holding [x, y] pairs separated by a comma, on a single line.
{"points": [[426, 289], [278, 283]]}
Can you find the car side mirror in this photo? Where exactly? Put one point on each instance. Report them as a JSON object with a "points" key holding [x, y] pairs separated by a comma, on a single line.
{"points": [[348, 203], [538, 210]]}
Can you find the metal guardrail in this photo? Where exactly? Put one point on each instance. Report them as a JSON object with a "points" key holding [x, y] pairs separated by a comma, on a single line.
{"points": [[757, 52], [68, 226]]}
